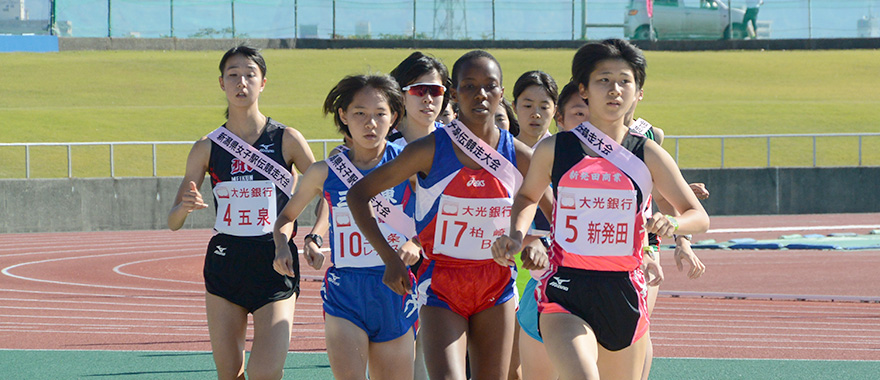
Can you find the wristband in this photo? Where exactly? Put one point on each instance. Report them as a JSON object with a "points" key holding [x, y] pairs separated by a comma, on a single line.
{"points": [[651, 251], [673, 221], [545, 241], [689, 237]]}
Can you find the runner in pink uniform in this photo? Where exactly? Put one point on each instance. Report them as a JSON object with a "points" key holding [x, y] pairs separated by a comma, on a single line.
{"points": [[593, 311]]}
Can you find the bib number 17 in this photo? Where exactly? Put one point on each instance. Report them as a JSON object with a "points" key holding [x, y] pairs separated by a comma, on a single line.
{"points": [[463, 226]]}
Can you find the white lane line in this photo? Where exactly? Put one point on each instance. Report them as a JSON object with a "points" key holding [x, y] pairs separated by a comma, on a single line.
{"points": [[118, 269], [801, 228], [97, 311], [729, 347], [52, 250], [108, 295], [298, 337], [751, 325], [677, 334], [168, 320], [8, 271]]}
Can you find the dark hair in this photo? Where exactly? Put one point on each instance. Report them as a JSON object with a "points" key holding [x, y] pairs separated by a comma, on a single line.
{"points": [[589, 55], [418, 64], [535, 78], [343, 94], [568, 91], [467, 57], [511, 117], [248, 52]]}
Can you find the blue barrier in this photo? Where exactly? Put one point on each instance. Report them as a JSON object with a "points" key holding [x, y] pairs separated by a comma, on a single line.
{"points": [[35, 44]]}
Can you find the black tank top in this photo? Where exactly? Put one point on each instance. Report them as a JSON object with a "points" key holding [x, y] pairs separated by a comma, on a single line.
{"points": [[223, 166], [569, 152]]}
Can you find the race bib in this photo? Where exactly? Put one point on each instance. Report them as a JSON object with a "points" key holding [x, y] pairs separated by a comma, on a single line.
{"points": [[351, 248], [245, 208], [595, 222], [466, 227]]}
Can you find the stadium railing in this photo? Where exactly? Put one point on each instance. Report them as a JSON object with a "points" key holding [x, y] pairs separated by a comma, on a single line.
{"points": [[328, 144]]}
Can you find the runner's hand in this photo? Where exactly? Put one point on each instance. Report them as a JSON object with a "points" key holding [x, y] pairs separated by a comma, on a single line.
{"points": [[699, 190], [192, 199], [503, 250], [684, 252], [660, 225], [534, 256], [396, 277], [409, 252], [312, 254], [283, 262], [653, 271]]}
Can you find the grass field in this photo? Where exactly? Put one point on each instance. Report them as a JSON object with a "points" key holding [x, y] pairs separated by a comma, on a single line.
{"points": [[174, 96]]}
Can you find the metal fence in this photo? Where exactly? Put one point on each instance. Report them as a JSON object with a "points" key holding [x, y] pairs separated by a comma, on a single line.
{"points": [[112, 145], [423, 19], [813, 137], [327, 144]]}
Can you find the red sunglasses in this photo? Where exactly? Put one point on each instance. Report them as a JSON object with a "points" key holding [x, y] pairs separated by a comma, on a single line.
{"points": [[420, 89]]}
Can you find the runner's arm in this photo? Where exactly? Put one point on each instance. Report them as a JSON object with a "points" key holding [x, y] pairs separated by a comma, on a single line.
{"points": [[671, 185], [415, 158], [188, 197], [534, 186], [312, 185]]}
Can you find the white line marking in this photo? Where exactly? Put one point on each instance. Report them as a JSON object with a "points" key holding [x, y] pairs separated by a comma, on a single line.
{"points": [[803, 228], [7, 271], [118, 269], [728, 347]]}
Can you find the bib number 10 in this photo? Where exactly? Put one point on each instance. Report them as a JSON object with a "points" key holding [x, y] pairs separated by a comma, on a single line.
{"points": [[355, 244]]}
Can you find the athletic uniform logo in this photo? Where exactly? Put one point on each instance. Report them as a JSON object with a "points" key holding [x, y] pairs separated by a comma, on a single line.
{"points": [[267, 148], [473, 182], [410, 306], [220, 251], [558, 283], [333, 278], [238, 166]]}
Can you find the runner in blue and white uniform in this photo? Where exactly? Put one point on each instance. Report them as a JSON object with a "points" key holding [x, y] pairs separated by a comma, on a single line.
{"points": [[365, 322]]}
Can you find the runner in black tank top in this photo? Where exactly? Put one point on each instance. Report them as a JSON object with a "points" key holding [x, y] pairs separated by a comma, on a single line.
{"points": [[239, 276]]}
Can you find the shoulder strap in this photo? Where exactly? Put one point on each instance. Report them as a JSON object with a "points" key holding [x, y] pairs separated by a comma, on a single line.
{"points": [[609, 149], [248, 154], [393, 216], [483, 154], [568, 152]]}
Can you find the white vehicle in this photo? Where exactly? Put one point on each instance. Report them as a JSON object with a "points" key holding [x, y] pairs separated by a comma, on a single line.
{"points": [[684, 19]]}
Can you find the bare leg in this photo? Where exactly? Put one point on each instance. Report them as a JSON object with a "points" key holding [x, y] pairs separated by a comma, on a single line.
{"points": [[515, 371], [272, 325], [536, 363], [347, 348], [227, 325], [490, 340], [393, 359], [571, 345], [653, 291], [624, 364], [649, 356], [421, 372], [444, 342]]}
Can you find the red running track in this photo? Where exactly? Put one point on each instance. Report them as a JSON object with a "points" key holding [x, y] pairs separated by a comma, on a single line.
{"points": [[142, 290]]}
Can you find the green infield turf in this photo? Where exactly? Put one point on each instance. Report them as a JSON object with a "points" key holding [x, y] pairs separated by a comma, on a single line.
{"points": [[175, 96], [156, 365]]}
